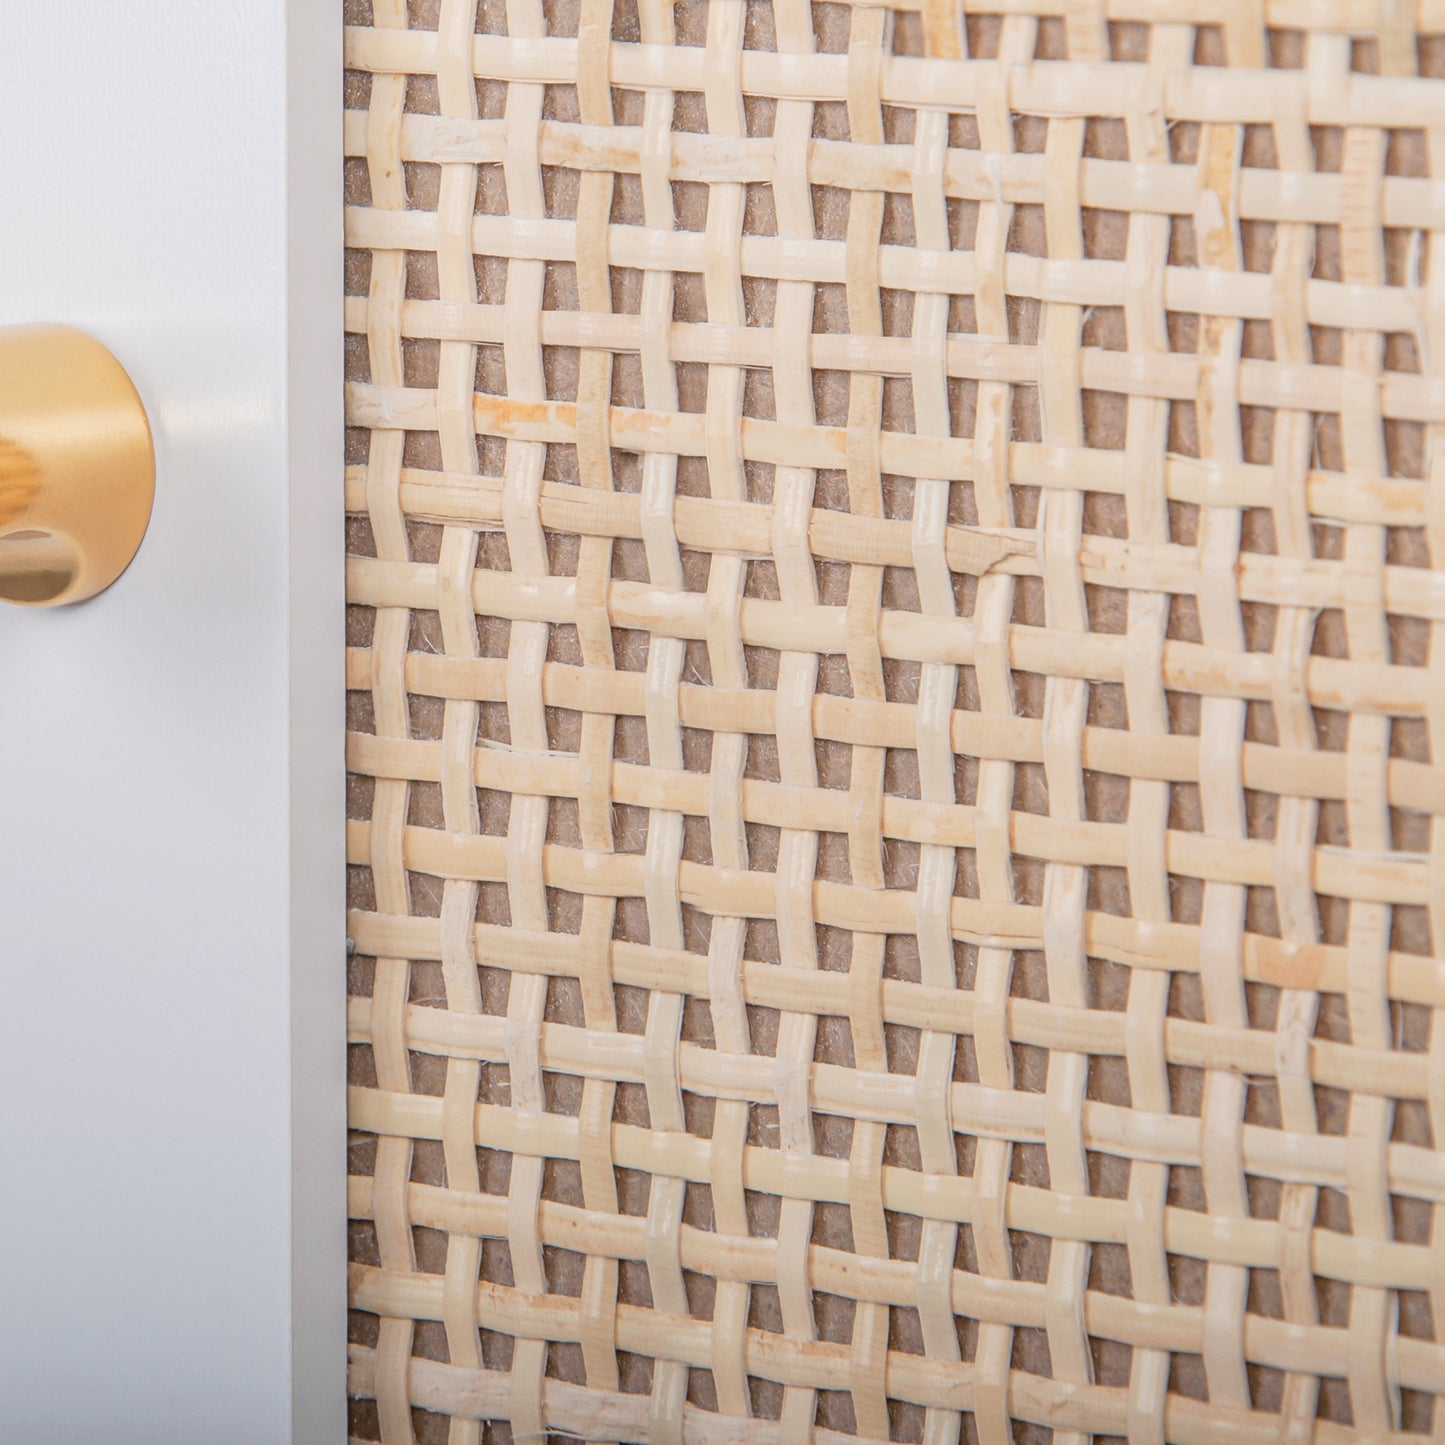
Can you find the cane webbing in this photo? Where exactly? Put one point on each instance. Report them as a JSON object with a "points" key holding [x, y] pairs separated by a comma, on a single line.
{"points": [[898, 683]]}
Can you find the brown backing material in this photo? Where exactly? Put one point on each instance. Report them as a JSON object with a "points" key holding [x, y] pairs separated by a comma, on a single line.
{"points": [[894, 720]]}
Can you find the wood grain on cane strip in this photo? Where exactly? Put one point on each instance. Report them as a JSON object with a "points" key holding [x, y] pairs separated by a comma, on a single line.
{"points": [[897, 665]]}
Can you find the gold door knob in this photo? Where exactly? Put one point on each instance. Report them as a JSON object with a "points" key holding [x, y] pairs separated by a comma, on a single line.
{"points": [[77, 468]]}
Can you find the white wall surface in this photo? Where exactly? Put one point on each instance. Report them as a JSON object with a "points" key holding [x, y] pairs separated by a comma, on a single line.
{"points": [[171, 947]]}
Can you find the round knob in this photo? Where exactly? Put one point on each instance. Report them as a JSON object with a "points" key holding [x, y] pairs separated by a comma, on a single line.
{"points": [[77, 467]]}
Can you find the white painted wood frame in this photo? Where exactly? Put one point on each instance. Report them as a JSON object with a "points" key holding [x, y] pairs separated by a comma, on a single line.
{"points": [[172, 1215]]}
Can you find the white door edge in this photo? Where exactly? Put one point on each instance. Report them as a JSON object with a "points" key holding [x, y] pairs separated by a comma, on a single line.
{"points": [[172, 968]]}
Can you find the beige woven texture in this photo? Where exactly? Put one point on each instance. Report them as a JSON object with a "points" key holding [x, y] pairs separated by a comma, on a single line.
{"points": [[898, 686]]}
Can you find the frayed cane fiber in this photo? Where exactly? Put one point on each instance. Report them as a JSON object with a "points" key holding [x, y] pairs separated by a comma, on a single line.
{"points": [[898, 700]]}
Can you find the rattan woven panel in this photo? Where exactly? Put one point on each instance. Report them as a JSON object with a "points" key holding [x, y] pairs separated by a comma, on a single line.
{"points": [[895, 726]]}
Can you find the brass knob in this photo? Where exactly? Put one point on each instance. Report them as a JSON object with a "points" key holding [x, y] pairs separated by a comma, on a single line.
{"points": [[77, 467]]}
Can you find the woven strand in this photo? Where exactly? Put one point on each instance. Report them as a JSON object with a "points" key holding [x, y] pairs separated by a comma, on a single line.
{"points": [[896, 824]]}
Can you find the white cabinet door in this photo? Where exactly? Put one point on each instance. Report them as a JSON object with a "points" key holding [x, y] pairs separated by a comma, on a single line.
{"points": [[171, 772]]}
